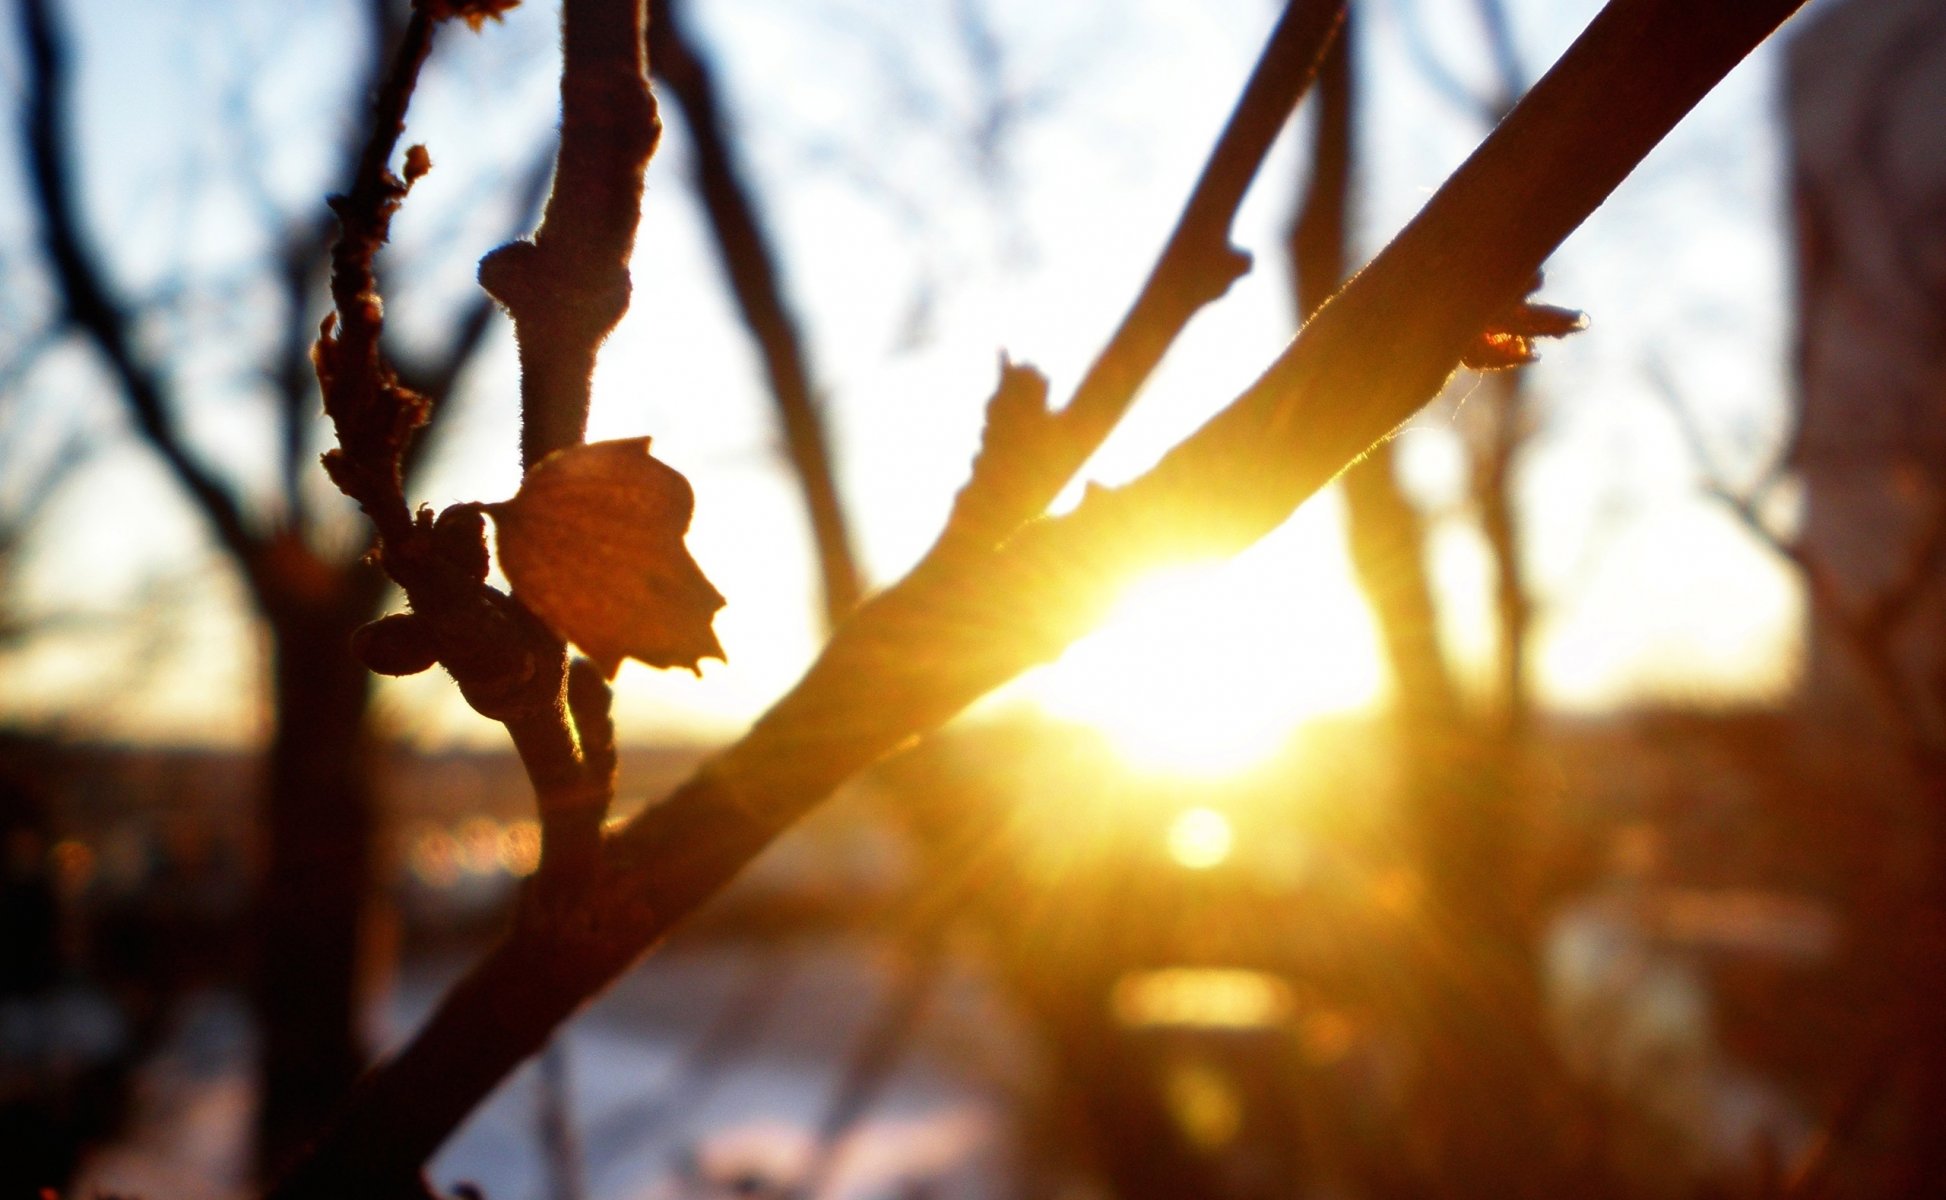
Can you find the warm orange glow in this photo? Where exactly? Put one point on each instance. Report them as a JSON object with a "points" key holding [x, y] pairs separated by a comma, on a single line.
{"points": [[1207, 670], [1204, 1101], [1201, 998], [1200, 838]]}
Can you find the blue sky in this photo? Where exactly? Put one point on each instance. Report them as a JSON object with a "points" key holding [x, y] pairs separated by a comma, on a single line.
{"points": [[914, 262]]}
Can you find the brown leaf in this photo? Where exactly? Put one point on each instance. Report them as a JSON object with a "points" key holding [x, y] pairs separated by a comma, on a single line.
{"points": [[592, 543], [474, 12]]}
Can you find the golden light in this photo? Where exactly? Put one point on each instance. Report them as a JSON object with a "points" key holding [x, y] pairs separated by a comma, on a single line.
{"points": [[1204, 1101], [1201, 998], [1200, 838], [1207, 670]]}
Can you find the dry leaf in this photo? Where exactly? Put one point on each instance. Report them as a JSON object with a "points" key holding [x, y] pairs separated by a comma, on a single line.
{"points": [[592, 543], [474, 12]]}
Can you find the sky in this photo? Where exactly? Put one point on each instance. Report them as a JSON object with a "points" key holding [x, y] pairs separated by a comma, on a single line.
{"points": [[930, 215]]}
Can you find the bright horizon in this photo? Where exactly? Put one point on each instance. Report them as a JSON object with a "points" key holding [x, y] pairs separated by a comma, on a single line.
{"points": [[1667, 601]]}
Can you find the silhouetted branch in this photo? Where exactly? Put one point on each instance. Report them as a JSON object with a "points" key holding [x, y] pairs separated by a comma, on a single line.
{"points": [[302, 252], [956, 627], [83, 288], [751, 263], [569, 285], [1197, 265], [373, 413]]}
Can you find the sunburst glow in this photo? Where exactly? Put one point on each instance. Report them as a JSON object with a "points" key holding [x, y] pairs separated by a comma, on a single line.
{"points": [[1200, 838], [1207, 670]]}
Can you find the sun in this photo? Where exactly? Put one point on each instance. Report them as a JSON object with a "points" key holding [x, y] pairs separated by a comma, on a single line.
{"points": [[1207, 670]]}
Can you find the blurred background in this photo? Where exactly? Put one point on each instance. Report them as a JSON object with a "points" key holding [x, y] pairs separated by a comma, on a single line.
{"points": [[1553, 807]]}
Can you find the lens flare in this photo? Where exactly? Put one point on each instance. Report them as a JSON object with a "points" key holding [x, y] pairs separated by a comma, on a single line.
{"points": [[1201, 838], [1206, 671]]}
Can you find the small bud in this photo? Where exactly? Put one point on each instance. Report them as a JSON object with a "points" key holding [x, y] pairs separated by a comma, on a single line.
{"points": [[459, 538], [417, 163], [398, 644]]}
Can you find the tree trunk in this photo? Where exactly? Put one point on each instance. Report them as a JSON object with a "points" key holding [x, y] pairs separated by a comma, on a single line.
{"points": [[317, 818], [1491, 1107]]}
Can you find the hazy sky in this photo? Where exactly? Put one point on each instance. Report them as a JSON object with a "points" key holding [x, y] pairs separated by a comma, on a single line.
{"points": [[914, 259]]}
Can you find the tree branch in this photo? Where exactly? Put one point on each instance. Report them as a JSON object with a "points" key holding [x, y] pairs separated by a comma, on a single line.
{"points": [[751, 263], [83, 285], [1867, 626], [1197, 265], [304, 250], [374, 414], [567, 288], [953, 629]]}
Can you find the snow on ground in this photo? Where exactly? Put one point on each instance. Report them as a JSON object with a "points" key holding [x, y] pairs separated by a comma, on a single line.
{"points": [[701, 1074]]}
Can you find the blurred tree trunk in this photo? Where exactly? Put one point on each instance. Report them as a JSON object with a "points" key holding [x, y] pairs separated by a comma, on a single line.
{"points": [[1482, 1118], [318, 814], [1104, 1086], [316, 810], [756, 281]]}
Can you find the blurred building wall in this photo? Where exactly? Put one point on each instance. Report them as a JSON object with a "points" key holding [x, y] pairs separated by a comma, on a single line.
{"points": [[1866, 108]]}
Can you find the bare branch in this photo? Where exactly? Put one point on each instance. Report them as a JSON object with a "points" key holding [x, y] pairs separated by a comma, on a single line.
{"points": [[745, 250], [374, 414], [1197, 265], [567, 288], [89, 301], [1867, 627]]}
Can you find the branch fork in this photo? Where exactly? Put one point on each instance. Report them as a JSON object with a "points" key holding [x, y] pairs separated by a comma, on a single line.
{"points": [[1011, 587]]}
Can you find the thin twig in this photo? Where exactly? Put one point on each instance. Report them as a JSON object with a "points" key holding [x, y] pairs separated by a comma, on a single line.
{"points": [[1866, 627], [1196, 267], [374, 414]]}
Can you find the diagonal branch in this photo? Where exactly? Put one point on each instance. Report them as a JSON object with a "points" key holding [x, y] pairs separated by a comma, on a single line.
{"points": [[1196, 267], [953, 629], [751, 262], [89, 301]]}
